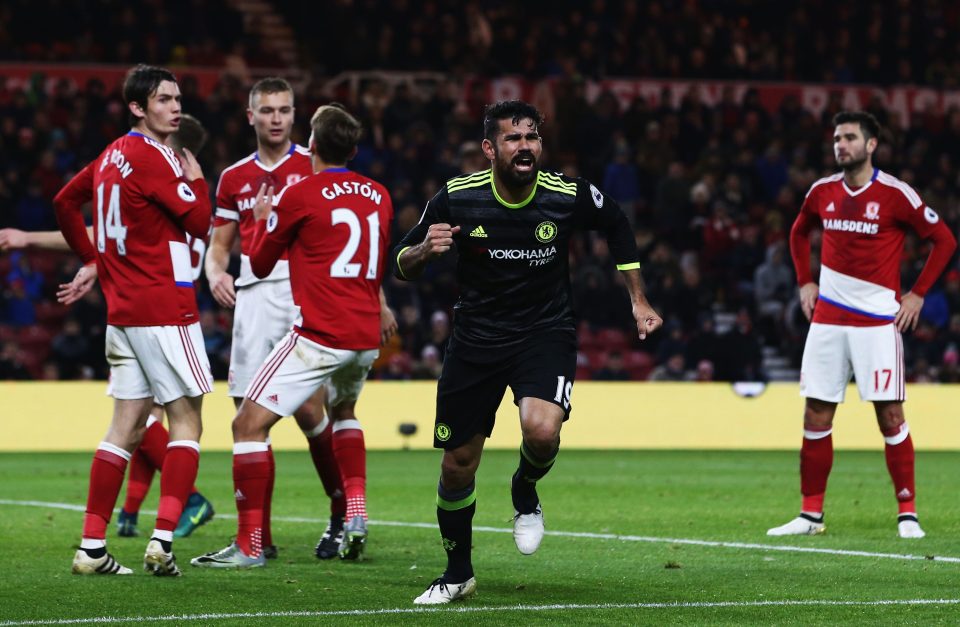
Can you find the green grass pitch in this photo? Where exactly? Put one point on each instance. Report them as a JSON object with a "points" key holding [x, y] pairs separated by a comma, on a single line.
{"points": [[633, 538]]}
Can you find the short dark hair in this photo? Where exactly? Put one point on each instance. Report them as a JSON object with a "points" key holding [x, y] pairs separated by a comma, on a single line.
{"points": [[191, 135], [868, 124], [142, 82], [514, 110], [335, 133], [269, 85]]}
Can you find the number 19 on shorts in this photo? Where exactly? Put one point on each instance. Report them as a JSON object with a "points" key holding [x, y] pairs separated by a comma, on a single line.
{"points": [[564, 389]]}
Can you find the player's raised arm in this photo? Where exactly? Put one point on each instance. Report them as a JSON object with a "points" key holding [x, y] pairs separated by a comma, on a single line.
{"points": [[430, 238]]}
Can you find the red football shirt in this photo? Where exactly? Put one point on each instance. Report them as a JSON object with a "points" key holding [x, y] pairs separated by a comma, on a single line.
{"points": [[336, 225], [863, 233], [141, 205], [237, 191]]}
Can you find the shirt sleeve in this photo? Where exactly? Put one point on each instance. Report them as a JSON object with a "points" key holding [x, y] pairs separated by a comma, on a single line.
{"points": [[226, 208], [68, 205], [273, 236], [928, 225], [800, 238], [597, 211], [436, 212]]}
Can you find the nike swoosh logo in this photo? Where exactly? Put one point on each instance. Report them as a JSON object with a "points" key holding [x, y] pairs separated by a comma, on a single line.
{"points": [[196, 519]]}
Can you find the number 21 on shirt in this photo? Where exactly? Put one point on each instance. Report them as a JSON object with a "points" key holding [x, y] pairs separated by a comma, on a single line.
{"points": [[343, 267]]}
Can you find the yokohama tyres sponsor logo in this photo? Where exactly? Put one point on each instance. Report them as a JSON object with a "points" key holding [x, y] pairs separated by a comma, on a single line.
{"points": [[523, 254], [851, 226]]}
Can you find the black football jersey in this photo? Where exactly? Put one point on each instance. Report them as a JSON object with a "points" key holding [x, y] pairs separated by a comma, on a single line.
{"points": [[512, 265]]}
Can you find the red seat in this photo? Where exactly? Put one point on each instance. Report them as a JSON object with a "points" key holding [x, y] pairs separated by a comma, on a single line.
{"points": [[596, 359], [7, 333], [33, 361], [46, 262], [50, 314], [34, 336], [639, 364], [586, 339], [612, 339]]}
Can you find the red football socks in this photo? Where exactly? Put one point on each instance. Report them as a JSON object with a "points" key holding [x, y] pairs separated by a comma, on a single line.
{"points": [[900, 463], [177, 476], [320, 441], [351, 454], [816, 460], [252, 475], [106, 478]]}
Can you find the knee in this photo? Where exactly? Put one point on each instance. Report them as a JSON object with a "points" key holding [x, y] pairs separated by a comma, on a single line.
{"points": [[889, 416], [542, 434], [457, 469], [243, 428], [134, 438], [307, 417], [818, 414]]}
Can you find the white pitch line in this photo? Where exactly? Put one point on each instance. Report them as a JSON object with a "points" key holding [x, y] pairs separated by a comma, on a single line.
{"points": [[472, 609], [575, 534]]}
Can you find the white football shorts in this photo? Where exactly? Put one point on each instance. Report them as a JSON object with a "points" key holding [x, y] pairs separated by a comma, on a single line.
{"points": [[872, 355], [264, 314], [297, 367], [165, 362]]}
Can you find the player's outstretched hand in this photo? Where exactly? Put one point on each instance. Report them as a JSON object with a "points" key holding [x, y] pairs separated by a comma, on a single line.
{"points": [[73, 291], [647, 319], [388, 324], [223, 291], [191, 167], [809, 294], [263, 203], [909, 314], [12, 239], [439, 238]]}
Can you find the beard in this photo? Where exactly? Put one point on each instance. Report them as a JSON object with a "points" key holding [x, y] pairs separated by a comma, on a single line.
{"points": [[854, 162], [510, 176]]}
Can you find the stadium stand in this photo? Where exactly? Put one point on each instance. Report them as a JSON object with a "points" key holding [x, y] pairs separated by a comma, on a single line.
{"points": [[711, 179]]}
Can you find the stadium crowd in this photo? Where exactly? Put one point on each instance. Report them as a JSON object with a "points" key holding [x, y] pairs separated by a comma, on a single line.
{"points": [[711, 190], [907, 41]]}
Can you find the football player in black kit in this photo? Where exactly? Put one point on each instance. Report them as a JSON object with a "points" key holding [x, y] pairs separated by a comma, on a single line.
{"points": [[513, 324]]}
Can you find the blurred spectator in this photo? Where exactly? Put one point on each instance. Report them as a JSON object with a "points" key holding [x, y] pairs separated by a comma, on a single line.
{"points": [[429, 365], [11, 366], [471, 158], [773, 284], [19, 309], [71, 350], [670, 370], [613, 368], [740, 354], [21, 270], [703, 372]]}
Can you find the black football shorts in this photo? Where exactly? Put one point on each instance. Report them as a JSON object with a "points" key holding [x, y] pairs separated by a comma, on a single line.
{"points": [[472, 385]]}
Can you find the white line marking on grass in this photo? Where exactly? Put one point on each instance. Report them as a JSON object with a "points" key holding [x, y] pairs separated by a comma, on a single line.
{"points": [[574, 534], [471, 609]]}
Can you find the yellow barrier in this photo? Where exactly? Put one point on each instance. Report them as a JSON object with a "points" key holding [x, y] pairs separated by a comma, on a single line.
{"points": [[61, 416]]}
